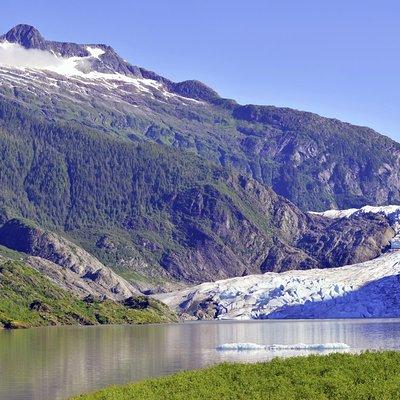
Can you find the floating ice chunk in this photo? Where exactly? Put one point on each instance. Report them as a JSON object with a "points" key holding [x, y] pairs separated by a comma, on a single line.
{"points": [[240, 346], [280, 347]]}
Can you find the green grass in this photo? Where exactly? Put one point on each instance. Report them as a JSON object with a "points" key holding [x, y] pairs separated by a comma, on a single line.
{"points": [[28, 299], [367, 376]]}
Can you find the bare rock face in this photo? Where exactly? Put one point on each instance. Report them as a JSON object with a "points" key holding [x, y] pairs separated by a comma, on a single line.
{"points": [[345, 241], [27, 36], [65, 263], [308, 240]]}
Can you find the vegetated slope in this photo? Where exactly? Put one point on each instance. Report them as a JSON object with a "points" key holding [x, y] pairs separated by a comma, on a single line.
{"points": [[160, 214], [317, 163], [29, 299], [370, 375]]}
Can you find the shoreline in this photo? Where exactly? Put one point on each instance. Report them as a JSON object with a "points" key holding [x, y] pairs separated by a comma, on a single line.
{"points": [[212, 321]]}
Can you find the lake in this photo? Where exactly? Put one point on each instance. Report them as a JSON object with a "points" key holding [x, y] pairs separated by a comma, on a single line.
{"points": [[58, 362]]}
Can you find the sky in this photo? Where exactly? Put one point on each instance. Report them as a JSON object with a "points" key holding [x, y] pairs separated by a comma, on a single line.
{"points": [[337, 58]]}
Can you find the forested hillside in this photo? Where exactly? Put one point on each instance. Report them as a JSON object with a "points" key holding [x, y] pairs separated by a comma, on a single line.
{"points": [[156, 214]]}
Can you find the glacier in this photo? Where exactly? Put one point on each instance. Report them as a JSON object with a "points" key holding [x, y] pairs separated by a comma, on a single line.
{"points": [[365, 290]]}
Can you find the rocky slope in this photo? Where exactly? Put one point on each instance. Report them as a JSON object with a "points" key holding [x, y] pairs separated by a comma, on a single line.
{"points": [[229, 228], [365, 290], [65, 263], [316, 162]]}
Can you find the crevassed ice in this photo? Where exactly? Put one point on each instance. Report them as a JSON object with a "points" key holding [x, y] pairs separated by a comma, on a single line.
{"points": [[369, 289]]}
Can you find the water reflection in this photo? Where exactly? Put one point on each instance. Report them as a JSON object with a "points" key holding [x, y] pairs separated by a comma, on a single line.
{"points": [[55, 363]]}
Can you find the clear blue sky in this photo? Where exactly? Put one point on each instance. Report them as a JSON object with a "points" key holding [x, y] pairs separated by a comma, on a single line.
{"points": [[338, 58]]}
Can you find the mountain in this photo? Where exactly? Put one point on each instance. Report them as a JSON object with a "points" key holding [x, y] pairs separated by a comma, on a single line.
{"points": [[159, 215], [168, 183], [317, 163], [100, 58]]}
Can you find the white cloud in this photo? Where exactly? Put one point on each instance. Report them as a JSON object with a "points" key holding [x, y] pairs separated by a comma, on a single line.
{"points": [[14, 55]]}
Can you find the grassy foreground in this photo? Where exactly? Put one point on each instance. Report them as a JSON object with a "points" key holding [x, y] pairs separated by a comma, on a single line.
{"points": [[371, 375]]}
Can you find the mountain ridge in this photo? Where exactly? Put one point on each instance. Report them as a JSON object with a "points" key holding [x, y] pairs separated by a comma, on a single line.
{"points": [[29, 37]]}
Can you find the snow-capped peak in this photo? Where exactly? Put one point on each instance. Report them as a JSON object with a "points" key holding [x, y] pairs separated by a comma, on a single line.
{"points": [[90, 61], [15, 55], [86, 74]]}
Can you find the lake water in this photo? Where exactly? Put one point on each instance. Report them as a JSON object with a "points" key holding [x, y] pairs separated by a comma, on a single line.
{"points": [[56, 363]]}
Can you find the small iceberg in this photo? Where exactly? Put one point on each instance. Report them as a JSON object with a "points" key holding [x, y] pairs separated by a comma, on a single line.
{"points": [[280, 347], [240, 346]]}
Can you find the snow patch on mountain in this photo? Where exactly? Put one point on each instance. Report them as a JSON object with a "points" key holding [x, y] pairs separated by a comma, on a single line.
{"points": [[95, 51], [32, 67], [14, 55], [365, 290], [392, 212]]}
